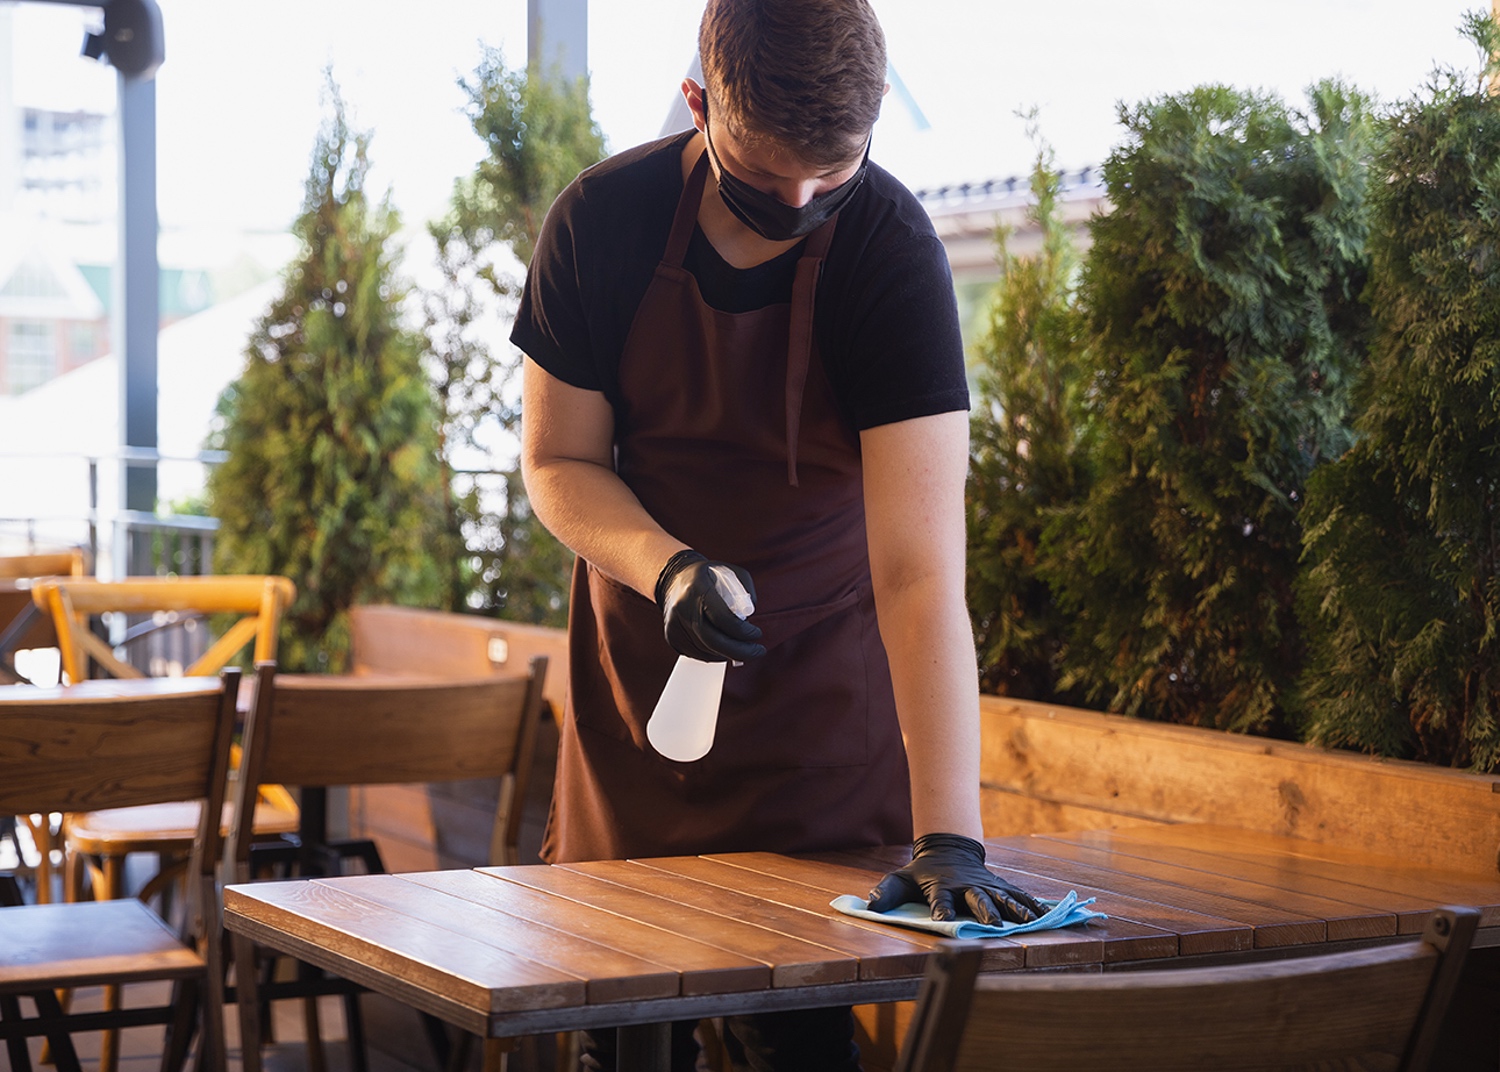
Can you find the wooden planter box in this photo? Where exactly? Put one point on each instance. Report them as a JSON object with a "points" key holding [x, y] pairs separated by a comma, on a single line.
{"points": [[1048, 768]]}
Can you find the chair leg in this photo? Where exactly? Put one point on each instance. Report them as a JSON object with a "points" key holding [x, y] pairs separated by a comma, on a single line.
{"points": [[317, 1060], [247, 998], [20, 1055], [458, 1054], [60, 1044], [114, 888], [179, 1035], [212, 1048], [354, 1031], [497, 1054], [443, 1049], [567, 1050]]}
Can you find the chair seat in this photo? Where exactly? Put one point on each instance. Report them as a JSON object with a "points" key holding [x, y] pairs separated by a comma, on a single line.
{"points": [[161, 828], [89, 944]]}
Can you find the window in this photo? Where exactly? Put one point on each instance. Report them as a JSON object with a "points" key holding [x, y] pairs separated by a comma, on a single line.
{"points": [[83, 340], [32, 359]]}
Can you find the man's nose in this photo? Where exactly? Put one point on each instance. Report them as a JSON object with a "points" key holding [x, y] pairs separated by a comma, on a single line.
{"points": [[795, 193]]}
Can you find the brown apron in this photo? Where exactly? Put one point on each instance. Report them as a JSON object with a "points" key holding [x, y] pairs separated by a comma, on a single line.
{"points": [[808, 752]]}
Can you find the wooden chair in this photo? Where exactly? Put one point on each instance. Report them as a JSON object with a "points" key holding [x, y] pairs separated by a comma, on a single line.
{"points": [[96, 844], [23, 625], [316, 730], [69, 563], [259, 599], [115, 746], [1383, 1004]]}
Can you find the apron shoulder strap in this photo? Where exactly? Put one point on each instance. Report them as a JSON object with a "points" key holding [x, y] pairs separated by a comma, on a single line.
{"points": [[686, 217], [800, 343]]}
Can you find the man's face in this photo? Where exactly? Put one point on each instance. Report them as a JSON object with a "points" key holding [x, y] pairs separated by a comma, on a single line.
{"points": [[765, 165], [775, 171]]}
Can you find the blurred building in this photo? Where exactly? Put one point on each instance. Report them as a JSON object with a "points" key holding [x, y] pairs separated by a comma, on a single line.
{"points": [[59, 193], [969, 217]]}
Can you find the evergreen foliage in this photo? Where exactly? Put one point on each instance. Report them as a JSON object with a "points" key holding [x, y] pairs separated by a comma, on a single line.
{"points": [[1401, 590], [539, 133], [1030, 441], [332, 477], [1222, 295]]}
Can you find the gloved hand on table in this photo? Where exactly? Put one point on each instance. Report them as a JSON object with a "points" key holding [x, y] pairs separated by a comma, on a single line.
{"points": [[697, 621], [947, 871]]}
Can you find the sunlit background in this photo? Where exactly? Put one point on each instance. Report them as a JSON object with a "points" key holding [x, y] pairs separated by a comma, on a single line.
{"points": [[241, 95], [238, 98]]}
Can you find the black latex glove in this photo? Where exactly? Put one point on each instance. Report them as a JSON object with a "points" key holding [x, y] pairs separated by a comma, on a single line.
{"points": [[697, 621], [945, 867]]}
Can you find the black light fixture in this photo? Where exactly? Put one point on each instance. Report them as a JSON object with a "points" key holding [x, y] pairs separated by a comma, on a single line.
{"points": [[131, 41]]}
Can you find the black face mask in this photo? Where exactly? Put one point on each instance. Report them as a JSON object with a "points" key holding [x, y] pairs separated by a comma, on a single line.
{"points": [[772, 218]]}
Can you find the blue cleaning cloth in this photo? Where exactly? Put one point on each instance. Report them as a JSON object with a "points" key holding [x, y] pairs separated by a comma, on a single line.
{"points": [[1064, 913]]}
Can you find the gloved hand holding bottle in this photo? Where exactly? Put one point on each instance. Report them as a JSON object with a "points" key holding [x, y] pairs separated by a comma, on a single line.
{"points": [[947, 871], [696, 616]]}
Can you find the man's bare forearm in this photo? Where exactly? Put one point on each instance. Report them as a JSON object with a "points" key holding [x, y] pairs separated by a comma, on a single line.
{"points": [[595, 515], [931, 652]]}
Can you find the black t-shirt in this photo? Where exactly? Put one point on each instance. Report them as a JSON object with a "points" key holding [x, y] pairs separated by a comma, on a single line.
{"points": [[885, 318]]}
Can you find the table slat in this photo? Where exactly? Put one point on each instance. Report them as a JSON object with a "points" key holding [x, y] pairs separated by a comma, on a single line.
{"points": [[701, 968], [1269, 926], [410, 949], [1340, 920], [878, 954], [1282, 873], [794, 962], [1387, 874], [817, 961], [608, 974], [883, 953]]}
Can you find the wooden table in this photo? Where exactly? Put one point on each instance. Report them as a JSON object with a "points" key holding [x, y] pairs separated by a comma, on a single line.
{"points": [[521, 950]]}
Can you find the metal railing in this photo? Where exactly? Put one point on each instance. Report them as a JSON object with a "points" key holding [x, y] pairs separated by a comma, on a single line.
{"points": [[64, 493]]}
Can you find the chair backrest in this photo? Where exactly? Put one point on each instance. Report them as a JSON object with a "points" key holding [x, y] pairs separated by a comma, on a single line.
{"points": [[260, 599], [1388, 1001], [330, 730], [387, 639], [120, 744], [47, 564]]}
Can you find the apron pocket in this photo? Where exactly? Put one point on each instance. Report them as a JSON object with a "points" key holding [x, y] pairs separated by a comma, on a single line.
{"points": [[808, 701]]}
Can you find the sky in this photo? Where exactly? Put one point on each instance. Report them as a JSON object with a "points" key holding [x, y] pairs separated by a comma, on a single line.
{"points": [[239, 97]]}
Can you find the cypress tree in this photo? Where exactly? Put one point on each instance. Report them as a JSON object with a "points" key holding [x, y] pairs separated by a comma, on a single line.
{"points": [[538, 131], [1029, 441], [1401, 589], [332, 477], [1222, 294]]}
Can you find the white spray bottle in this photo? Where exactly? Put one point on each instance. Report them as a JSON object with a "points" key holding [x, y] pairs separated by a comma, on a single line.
{"points": [[682, 726]]}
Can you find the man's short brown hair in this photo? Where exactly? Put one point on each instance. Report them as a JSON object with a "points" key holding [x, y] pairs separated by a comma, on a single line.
{"points": [[807, 75]]}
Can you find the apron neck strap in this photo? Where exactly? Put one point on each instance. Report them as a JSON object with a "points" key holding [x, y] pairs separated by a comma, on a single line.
{"points": [[800, 344], [686, 217]]}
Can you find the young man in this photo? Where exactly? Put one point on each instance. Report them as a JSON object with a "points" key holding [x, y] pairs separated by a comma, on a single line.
{"points": [[743, 349]]}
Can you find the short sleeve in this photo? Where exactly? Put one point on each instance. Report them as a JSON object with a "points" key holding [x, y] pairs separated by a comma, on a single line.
{"points": [[551, 325], [903, 356]]}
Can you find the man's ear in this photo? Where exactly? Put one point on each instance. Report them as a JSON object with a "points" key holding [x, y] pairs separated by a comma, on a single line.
{"points": [[692, 92]]}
